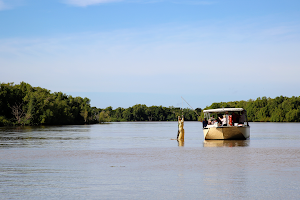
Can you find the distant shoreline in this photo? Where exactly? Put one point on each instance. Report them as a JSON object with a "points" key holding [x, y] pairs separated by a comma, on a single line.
{"points": [[22, 105]]}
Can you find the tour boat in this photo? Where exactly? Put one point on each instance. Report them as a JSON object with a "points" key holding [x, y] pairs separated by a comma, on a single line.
{"points": [[236, 127]]}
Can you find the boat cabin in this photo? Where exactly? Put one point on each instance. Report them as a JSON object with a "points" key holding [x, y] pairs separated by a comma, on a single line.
{"points": [[225, 117]]}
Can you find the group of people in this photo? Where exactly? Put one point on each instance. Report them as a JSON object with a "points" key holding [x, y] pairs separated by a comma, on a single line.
{"points": [[222, 120], [219, 121]]}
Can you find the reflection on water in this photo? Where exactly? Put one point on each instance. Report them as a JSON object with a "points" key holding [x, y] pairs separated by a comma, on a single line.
{"points": [[226, 143], [180, 143], [41, 136]]}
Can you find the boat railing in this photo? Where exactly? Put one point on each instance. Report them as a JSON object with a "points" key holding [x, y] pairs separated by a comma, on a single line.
{"points": [[234, 125]]}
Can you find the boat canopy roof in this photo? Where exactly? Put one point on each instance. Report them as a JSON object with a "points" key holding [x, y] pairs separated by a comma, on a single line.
{"points": [[218, 110]]}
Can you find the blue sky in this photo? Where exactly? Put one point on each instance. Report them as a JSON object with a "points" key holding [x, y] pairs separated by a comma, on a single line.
{"points": [[124, 52]]}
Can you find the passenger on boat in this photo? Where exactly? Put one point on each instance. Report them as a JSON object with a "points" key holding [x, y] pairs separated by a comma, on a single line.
{"points": [[242, 118], [216, 123], [235, 118], [210, 121], [204, 123], [223, 120], [218, 120]]}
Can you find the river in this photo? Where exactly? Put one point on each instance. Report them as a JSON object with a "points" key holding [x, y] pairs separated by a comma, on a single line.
{"points": [[141, 160]]}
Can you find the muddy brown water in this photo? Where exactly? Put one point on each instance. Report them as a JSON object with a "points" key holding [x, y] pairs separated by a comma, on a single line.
{"points": [[141, 160]]}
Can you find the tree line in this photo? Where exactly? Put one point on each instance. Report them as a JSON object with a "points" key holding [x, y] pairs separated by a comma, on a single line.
{"points": [[263, 109], [22, 104], [141, 112]]}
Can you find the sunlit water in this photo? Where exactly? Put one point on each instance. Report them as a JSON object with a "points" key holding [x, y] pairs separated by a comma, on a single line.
{"points": [[141, 160]]}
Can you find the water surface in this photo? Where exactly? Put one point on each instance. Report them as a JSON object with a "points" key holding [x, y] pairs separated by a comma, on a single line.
{"points": [[141, 160]]}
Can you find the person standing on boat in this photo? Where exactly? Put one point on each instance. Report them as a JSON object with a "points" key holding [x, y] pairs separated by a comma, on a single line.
{"points": [[235, 118], [204, 123], [180, 135], [223, 120], [242, 117]]}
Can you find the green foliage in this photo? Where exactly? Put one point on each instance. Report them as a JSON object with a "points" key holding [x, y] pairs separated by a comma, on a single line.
{"points": [[141, 112], [280, 109], [22, 104], [4, 121], [26, 105], [104, 116]]}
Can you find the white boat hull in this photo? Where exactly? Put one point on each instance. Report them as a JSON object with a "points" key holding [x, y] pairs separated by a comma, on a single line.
{"points": [[227, 133]]}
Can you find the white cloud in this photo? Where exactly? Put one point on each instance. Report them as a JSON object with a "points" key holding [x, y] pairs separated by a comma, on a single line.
{"points": [[163, 59]]}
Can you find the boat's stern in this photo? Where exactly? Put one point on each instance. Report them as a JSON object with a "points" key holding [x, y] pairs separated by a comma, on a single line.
{"points": [[227, 133]]}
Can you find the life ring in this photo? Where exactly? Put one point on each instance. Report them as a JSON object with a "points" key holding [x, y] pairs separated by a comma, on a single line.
{"points": [[230, 120]]}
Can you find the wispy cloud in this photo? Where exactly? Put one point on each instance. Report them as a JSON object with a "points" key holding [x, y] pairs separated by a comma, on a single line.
{"points": [[3, 6], [194, 2], [84, 3], [10, 4], [127, 59]]}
